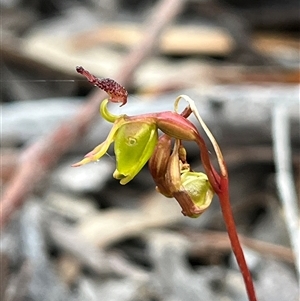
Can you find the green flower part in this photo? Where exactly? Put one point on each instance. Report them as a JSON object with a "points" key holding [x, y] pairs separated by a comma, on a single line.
{"points": [[134, 145], [197, 186], [134, 139]]}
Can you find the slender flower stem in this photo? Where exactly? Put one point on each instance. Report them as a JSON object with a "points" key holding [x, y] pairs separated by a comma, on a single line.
{"points": [[234, 240], [222, 190]]}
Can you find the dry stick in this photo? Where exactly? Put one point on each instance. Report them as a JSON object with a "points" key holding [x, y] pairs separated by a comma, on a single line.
{"points": [[208, 241], [284, 177], [40, 157]]}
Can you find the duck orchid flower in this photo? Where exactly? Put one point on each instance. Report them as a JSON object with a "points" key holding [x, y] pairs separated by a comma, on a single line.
{"points": [[136, 141]]}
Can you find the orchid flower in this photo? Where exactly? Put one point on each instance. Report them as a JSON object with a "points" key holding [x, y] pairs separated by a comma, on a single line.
{"points": [[136, 141], [134, 137]]}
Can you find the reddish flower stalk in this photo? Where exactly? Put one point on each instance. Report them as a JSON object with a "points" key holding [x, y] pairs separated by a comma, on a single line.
{"points": [[222, 190], [234, 240], [136, 141], [223, 194]]}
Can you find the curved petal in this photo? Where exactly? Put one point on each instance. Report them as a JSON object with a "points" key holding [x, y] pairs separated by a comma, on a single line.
{"points": [[102, 148], [106, 114]]}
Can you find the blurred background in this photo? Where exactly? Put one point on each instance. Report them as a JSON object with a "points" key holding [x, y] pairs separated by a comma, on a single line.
{"points": [[79, 234]]}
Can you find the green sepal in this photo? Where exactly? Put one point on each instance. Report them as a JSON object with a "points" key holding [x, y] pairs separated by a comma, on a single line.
{"points": [[197, 185], [134, 145]]}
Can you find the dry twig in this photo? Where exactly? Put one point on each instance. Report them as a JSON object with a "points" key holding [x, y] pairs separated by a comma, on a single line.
{"points": [[209, 241], [284, 177]]}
